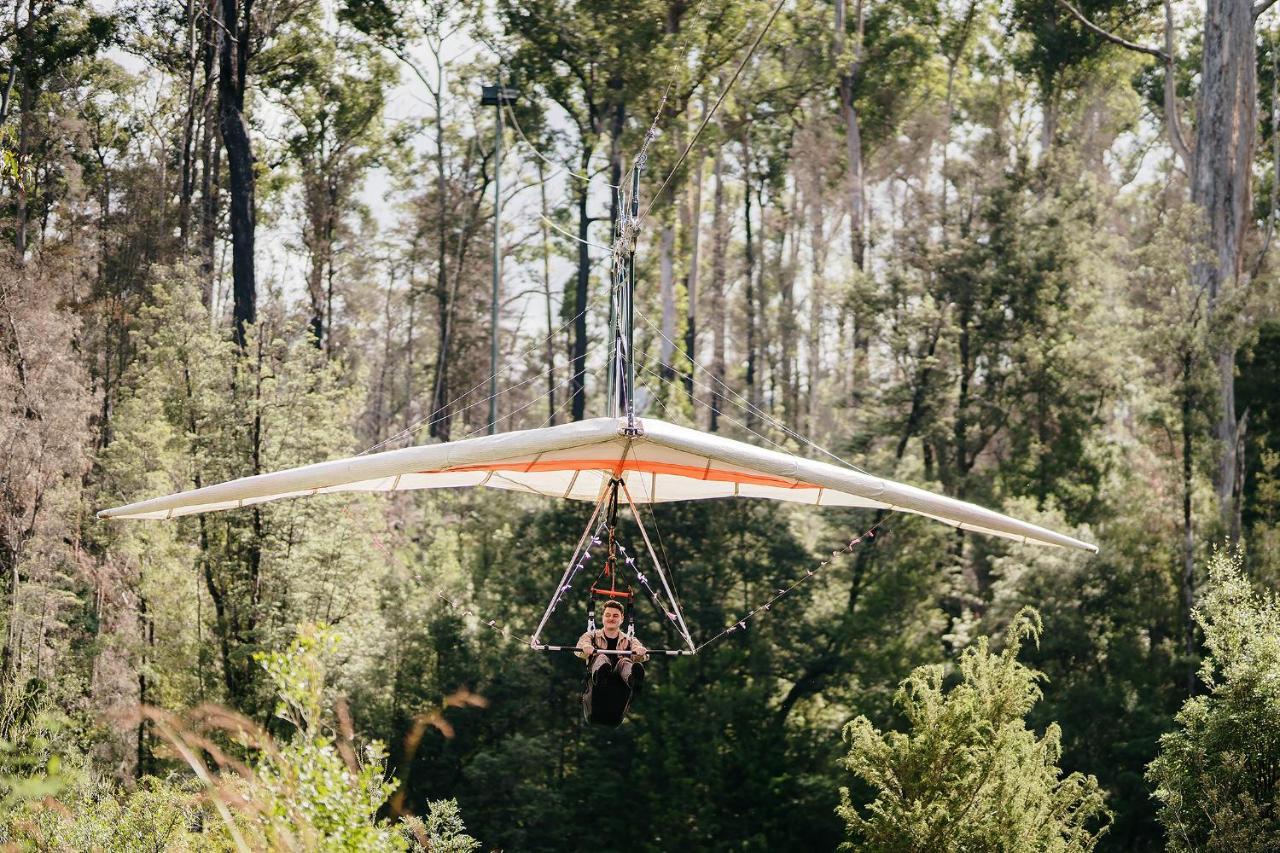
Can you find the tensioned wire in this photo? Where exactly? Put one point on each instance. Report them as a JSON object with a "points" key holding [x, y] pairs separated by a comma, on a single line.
{"points": [[426, 420], [560, 167], [644, 366], [780, 592], [742, 402], [542, 396], [707, 118]]}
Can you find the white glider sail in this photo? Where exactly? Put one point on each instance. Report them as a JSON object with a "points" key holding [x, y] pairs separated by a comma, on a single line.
{"points": [[657, 462]]}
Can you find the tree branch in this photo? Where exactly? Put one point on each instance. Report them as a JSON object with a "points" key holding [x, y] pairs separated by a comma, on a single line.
{"points": [[1176, 137], [1115, 39], [1262, 6]]}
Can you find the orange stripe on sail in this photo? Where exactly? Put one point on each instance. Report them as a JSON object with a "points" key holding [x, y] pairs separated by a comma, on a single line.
{"points": [[616, 467]]}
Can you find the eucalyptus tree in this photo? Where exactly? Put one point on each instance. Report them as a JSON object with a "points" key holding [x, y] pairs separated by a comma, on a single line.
{"points": [[1217, 157], [419, 37], [42, 47], [334, 88]]}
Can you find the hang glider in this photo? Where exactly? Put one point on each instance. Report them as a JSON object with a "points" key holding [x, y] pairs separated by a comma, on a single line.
{"points": [[657, 461]]}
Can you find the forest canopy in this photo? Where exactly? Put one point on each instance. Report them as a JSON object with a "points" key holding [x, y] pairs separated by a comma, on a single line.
{"points": [[1017, 252]]}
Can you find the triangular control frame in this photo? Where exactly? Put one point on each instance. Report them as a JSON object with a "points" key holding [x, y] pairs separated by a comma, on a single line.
{"points": [[604, 519]]}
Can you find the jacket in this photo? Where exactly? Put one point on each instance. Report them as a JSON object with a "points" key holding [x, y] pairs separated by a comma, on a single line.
{"points": [[592, 640]]}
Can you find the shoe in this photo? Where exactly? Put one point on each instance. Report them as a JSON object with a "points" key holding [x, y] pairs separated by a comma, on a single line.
{"points": [[637, 679], [601, 675]]}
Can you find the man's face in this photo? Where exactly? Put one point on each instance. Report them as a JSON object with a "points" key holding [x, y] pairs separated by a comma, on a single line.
{"points": [[612, 617]]}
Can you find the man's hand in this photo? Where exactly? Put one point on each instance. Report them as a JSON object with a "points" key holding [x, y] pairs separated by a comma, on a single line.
{"points": [[638, 648]]}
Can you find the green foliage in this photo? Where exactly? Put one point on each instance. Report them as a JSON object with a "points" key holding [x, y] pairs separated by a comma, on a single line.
{"points": [[32, 764], [442, 831], [312, 791], [968, 774], [1217, 773]]}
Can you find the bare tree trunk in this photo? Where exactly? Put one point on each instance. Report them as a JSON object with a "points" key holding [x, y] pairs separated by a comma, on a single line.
{"points": [[817, 303], [1226, 127], [441, 418], [719, 242], [186, 166], [1188, 538], [749, 256], [787, 326], [691, 278], [232, 79], [26, 102], [666, 265], [852, 128], [210, 152], [546, 289], [577, 381]]}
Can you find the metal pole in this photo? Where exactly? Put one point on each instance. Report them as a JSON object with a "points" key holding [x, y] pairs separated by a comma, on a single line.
{"points": [[497, 264]]}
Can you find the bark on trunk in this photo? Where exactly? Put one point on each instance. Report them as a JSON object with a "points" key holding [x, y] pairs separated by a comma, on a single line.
{"points": [[817, 305], [666, 264], [787, 326], [1226, 126], [26, 101], [232, 79], [749, 256], [441, 419], [1188, 537], [210, 151], [719, 241], [546, 288], [691, 278], [578, 359], [852, 127], [186, 166]]}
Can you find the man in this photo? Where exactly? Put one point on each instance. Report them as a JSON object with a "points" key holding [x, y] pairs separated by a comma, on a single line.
{"points": [[629, 668]]}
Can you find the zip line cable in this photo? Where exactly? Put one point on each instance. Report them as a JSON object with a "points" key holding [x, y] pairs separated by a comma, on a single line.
{"points": [[707, 118]]}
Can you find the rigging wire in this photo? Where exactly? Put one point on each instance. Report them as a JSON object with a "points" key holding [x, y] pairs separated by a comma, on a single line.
{"points": [[541, 396], [783, 592], [781, 448], [559, 166], [742, 402], [417, 425], [707, 118], [573, 236]]}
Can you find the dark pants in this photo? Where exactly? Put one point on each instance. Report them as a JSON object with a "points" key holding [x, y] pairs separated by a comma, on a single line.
{"points": [[631, 673]]}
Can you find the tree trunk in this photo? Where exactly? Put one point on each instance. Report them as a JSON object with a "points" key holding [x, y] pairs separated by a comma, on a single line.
{"points": [[1226, 127], [546, 289], [232, 79], [719, 242], [186, 166], [578, 359], [852, 128], [817, 303], [441, 419], [787, 327], [210, 152], [1188, 538], [691, 278], [26, 102], [666, 265]]}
